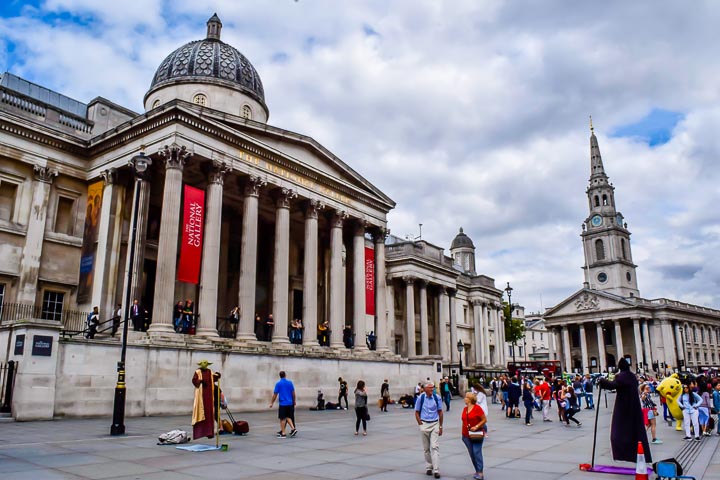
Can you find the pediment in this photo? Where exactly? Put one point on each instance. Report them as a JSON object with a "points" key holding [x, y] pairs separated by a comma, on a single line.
{"points": [[587, 301]]}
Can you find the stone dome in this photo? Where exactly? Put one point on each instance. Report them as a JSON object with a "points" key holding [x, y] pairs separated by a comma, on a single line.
{"points": [[461, 240], [210, 61]]}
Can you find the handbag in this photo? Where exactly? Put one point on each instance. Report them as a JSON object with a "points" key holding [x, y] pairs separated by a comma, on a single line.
{"points": [[367, 417], [475, 436]]}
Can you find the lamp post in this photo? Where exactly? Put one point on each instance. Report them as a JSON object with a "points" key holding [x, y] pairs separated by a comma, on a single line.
{"points": [[139, 165], [460, 348], [509, 290]]}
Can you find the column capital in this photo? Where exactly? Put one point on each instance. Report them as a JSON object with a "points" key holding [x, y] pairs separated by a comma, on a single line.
{"points": [[217, 171], [451, 292], [109, 176], [313, 207], [359, 228], [477, 302], [409, 279], [44, 174], [253, 184], [284, 197], [338, 218], [423, 283], [175, 156], [443, 289], [380, 234]]}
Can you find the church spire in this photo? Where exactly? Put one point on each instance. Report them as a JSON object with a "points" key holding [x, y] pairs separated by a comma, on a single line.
{"points": [[596, 164]]}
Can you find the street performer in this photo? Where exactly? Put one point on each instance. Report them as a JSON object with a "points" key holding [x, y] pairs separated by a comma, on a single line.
{"points": [[203, 415]]}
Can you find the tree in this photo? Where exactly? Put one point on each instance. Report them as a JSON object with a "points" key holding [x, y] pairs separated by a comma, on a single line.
{"points": [[514, 327]]}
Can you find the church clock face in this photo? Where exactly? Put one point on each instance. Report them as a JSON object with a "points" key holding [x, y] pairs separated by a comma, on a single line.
{"points": [[596, 220], [602, 277]]}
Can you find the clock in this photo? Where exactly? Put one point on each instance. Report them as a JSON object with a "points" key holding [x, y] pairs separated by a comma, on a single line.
{"points": [[596, 220], [619, 220]]}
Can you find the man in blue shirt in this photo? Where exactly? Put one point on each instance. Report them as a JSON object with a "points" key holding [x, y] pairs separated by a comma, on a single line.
{"points": [[285, 389], [429, 417]]}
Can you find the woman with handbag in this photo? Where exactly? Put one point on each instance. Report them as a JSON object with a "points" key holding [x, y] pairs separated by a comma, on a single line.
{"points": [[361, 410], [650, 408], [473, 435]]}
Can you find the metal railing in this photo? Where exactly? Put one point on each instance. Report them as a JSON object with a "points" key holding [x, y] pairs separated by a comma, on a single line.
{"points": [[70, 319], [7, 384]]}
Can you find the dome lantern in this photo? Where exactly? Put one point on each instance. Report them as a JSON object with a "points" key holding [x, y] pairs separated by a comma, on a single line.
{"points": [[214, 25]]}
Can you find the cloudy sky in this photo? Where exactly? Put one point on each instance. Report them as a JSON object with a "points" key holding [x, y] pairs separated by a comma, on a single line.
{"points": [[466, 113]]}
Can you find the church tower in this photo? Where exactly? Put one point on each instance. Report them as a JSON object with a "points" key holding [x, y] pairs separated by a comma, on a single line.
{"points": [[606, 239]]}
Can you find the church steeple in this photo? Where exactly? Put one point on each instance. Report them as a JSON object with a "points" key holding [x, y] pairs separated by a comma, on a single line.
{"points": [[606, 239]]}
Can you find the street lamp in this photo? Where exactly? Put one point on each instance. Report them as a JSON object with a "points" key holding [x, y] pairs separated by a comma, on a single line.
{"points": [[460, 348], [509, 290], [139, 165]]}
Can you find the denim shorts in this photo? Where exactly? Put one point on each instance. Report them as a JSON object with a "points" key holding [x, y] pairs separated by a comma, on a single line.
{"points": [[651, 415]]}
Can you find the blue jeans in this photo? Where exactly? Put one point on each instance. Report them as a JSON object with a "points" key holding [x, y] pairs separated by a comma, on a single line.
{"points": [[589, 400], [475, 451]]}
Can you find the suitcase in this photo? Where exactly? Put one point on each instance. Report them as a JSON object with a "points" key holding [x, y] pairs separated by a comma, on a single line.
{"points": [[240, 427]]}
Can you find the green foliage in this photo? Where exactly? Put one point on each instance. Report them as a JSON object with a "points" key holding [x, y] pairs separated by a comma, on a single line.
{"points": [[514, 327]]}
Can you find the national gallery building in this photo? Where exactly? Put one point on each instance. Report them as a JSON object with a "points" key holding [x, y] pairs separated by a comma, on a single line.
{"points": [[199, 198]]}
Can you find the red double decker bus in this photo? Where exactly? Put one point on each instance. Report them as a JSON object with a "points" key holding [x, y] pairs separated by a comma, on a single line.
{"points": [[535, 367]]}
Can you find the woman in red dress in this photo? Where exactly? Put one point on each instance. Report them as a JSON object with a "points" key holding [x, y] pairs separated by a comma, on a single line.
{"points": [[473, 420]]}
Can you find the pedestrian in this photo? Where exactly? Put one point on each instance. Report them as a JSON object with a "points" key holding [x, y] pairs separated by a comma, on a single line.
{"points": [[494, 389], [527, 398], [542, 390], [560, 399], [285, 394], [203, 416], [177, 315], [446, 394], [418, 390], [716, 405], [503, 392], [187, 318], [136, 315], [474, 420], [93, 320], [259, 327], [429, 417], [234, 320], [704, 409], [649, 406], [588, 391], [690, 403], [323, 334], [384, 395], [342, 393], [361, 409], [347, 337], [513, 399], [572, 406], [268, 331], [117, 316]]}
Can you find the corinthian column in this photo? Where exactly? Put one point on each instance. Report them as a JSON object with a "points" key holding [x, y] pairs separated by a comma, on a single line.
{"points": [[566, 349], [337, 296], [444, 310], [453, 328], [477, 331], [248, 258], [310, 309], [211, 251], [647, 346], [602, 364], [143, 205], [281, 266], [34, 238], [424, 339], [410, 315], [382, 330], [175, 157], [359, 286]]}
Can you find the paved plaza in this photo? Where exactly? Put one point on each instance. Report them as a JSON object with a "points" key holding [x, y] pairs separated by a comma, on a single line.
{"points": [[324, 448]]}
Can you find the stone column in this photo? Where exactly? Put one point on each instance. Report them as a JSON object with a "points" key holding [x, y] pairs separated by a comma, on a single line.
{"points": [[210, 272], [310, 282], [501, 321], [337, 294], [143, 208], [248, 258], [566, 349], [638, 342], [35, 235], [477, 332], [667, 334], [281, 265], [691, 334], [679, 345], [424, 342], [453, 327], [485, 319], [108, 249], [410, 315], [443, 311], [647, 345], [619, 351], [390, 309], [602, 363], [583, 349], [717, 346], [359, 323], [551, 344], [175, 157], [382, 330]]}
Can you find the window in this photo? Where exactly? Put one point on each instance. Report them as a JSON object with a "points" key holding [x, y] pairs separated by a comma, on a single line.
{"points": [[200, 99], [605, 200], [597, 201], [575, 337], [52, 306], [599, 249], [541, 336], [623, 248], [510, 350], [465, 314], [156, 103], [8, 194], [247, 112], [520, 350], [65, 216], [695, 334], [533, 335]]}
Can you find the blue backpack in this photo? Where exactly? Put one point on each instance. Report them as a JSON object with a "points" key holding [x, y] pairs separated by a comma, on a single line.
{"points": [[437, 400]]}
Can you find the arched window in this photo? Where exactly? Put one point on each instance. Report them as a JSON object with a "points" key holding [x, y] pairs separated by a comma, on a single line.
{"points": [[623, 248], [247, 112], [599, 249], [200, 99], [597, 201], [156, 103], [694, 334], [605, 200]]}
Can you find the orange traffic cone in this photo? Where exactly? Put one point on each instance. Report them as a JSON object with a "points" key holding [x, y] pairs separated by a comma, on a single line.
{"points": [[641, 467]]}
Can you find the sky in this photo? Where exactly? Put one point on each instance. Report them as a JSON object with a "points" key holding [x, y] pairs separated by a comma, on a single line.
{"points": [[467, 114]]}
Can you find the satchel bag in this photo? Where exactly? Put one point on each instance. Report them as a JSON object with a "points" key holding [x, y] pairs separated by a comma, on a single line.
{"points": [[477, 436]]}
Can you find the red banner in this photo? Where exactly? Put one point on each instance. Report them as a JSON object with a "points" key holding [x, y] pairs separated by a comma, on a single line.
{"points": [[369, 281], [192, 235]]}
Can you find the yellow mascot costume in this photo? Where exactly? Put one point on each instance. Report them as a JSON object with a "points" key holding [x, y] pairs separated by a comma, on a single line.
{"points": [[671, 389]]}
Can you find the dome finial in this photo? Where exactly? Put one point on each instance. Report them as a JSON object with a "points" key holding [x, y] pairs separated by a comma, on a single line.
{"points": [[461, 230], [214, 25]]}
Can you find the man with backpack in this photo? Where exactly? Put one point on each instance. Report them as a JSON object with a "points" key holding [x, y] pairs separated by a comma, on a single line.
{"points": [[588, 390], [429, 417]]}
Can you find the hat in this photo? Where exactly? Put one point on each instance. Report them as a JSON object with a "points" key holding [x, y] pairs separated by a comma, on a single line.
{"points": [[204, 363], [623, 365]]}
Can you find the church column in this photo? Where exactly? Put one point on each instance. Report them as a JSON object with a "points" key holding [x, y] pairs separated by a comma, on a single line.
{"points": [[248, 258], [566, 349], [310, 296], [281, 265], [35, 235], [143, 208], [602, 363], [382, 330], [453, 327], [410, 316], [211, 251], [679, 345], [389, 314], [485, 319], [359, 322], [106, 258], [647, 346], [583, 348], [337, 295], [501, 320], [619, 351], [691, 339], [667, 335], [477, 331], [638, 343], [424, 342], [717, 347], [175, 157], [444, 310]]}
